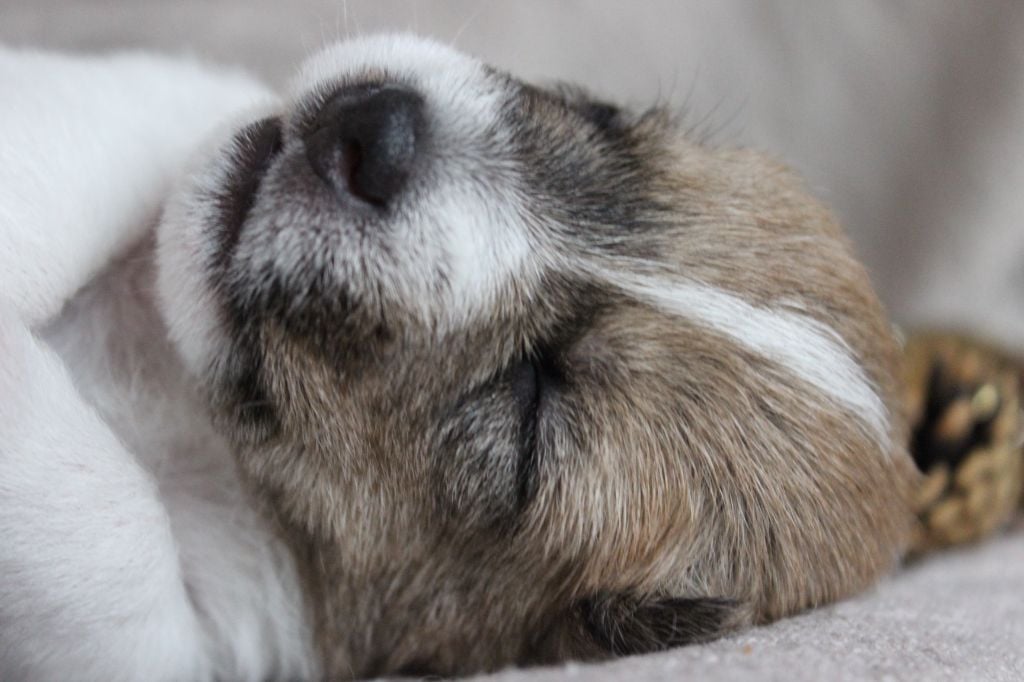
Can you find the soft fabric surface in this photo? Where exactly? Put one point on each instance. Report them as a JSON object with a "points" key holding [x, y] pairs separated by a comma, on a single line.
{"points": [[907, 118], [956, 617]]}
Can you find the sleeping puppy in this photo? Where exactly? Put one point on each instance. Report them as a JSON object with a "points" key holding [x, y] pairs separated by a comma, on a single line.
{"points": [[423, 369]]}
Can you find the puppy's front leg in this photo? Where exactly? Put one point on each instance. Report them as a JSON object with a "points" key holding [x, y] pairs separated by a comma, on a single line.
{"points": [[89, 149], [90, 584]]}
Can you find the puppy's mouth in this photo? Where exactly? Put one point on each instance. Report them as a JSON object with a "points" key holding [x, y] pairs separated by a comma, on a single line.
{"points": [[257, 145]]}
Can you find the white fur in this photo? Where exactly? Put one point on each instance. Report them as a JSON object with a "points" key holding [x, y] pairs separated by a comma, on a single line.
{"points": [[128, 550], [85, 165], [92, 588]]}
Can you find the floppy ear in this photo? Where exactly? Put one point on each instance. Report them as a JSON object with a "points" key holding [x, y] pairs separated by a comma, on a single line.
{"points": [[624, 624]]}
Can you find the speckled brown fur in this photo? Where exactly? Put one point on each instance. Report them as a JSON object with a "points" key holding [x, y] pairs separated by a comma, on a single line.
{"points": [[681, 484]]}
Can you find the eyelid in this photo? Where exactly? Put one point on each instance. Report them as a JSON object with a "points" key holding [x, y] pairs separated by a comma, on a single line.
{"points": [[526, 464]]}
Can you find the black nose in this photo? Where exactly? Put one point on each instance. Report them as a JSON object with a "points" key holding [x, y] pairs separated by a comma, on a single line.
{"points": [[365, 140]]}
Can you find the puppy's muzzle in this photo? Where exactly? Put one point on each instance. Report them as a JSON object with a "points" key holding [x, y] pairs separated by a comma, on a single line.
{"points": [[365, 141]]}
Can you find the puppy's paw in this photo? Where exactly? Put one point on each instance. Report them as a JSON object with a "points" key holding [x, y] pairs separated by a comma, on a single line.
{"points": [[964, 399]]}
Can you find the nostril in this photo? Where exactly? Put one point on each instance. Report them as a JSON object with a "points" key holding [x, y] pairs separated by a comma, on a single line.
{"points": [[365, 141]]}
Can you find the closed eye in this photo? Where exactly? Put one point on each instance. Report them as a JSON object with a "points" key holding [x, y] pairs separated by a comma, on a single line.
{"points": [[531, 380]]}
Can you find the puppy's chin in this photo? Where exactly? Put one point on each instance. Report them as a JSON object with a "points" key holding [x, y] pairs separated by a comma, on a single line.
{"points": [[198, 231]]}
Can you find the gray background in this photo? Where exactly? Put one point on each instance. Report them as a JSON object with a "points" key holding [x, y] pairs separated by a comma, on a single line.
{"points": [[907, 117]]}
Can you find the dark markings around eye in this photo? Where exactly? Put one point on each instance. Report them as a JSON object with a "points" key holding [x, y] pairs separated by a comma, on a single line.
{"points": [[256, 146], [526, 392], [493, 446], [604, 116], [532, 380]]}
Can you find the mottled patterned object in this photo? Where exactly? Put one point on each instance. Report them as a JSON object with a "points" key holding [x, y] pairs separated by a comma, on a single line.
{"points": [[964, 405]]}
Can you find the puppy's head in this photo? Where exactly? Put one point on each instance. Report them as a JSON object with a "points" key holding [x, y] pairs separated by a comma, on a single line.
{"points": [[523, 375]]}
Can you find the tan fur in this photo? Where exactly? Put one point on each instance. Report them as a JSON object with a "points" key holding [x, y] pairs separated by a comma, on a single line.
{"points": [[762, 493], [476, 468]]}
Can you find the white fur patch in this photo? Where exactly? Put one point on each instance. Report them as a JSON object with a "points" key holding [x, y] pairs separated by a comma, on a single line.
{"points": [[92, 588], [809, 349], [451, 82], [128, 548], [90, 148], [484, 246]]}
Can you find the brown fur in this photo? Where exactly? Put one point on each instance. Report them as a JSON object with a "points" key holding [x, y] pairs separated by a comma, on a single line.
{"points": [[685, 485]]}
